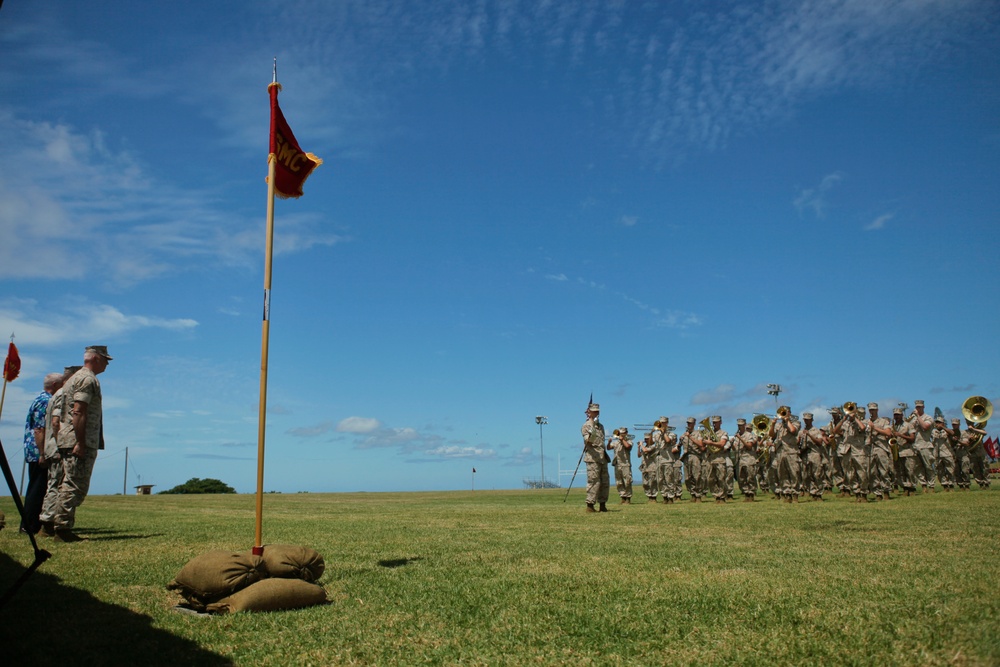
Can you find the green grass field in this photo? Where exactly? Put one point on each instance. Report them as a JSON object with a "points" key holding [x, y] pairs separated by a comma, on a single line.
{"points": [[519, 577]]}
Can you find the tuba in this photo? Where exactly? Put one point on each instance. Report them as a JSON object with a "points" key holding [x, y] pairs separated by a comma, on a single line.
{"points": [[977, 410], [761, 424], [707, 432]]}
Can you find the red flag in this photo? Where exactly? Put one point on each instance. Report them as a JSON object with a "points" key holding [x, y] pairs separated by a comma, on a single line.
{"points": [[991, 446], [292, 166], [12, 364]]}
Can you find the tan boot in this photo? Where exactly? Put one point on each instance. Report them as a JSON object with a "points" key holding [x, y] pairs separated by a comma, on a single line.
{"points": [[590, 507]]}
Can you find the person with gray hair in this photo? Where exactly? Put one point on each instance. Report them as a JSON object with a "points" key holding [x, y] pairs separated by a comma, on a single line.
{"points": [[34, 452], [80, 436]]}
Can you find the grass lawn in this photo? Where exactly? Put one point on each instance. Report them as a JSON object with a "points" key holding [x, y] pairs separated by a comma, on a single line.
{"points": [[518, 577]]}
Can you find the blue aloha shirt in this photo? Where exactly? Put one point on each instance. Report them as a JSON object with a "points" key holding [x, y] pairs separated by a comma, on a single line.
{"points": [[36, 419]]}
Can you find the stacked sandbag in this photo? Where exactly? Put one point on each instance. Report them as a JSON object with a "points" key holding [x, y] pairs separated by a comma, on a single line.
{"points": [[271, 595], [228, 581]]}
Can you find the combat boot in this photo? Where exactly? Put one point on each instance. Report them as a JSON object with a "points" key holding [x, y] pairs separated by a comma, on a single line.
{"points": [[590, 507], [46, 529], [604, 507]]}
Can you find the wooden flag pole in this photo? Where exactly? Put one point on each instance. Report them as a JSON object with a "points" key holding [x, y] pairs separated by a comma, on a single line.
{"points": [[258, 547]]}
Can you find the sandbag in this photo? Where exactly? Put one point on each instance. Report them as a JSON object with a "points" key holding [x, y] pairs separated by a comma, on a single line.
{"points": [[271, 595], [216, 574], [290, 561]]}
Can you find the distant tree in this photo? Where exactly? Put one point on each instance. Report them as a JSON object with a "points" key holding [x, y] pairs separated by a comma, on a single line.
{"points": [[195, 485]]}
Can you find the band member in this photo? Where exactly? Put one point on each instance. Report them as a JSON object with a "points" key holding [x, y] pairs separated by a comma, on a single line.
{"points": [[678, 465], [784, 432], [904, 432], [665, 453], [973, 437], [963, 468], [944, 457], [621, 444], [695, 463], [923, 446], [745, 447], [648, 467], [717, 446], [880, 464], [852, 428], [815, 446], [598, 481]]}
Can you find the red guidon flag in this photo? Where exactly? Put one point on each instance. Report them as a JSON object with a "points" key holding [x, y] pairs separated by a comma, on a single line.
{"points": [[12, 364], [292, 166]]}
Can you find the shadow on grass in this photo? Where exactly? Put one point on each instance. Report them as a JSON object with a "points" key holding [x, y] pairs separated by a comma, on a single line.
{"points": [[49, 623], [109, 535], [398, 562]]}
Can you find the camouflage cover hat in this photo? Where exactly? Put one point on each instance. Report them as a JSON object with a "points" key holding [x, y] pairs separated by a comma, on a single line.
{"points": [[101, 350], [69, 370], [918, 402], [692, 420], [807, 415], [939, 419], [897, 411], [664, 420], [873, 406], [717, 418], [594, 407], [741, 421]]}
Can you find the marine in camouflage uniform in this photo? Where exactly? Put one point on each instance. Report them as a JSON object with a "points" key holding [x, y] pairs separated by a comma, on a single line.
{"points": [[53, 460], [745, 446], [81, 435], [815, 445], [598, 481], [784, 432], [923, 446], [944, 457], [905, 436], [973, 438], [647, 466], [665, 442], [880, 464], [963, 469], [718, 452], [695, 468], [854, 430], [621, 445]]}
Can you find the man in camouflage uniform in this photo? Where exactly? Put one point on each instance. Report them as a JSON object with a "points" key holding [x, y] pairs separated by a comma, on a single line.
{"points": [[963, 468], [621, 444], [815, 443], [880, 464], [923, 446], [34, 453], [972, 437], [784, 432], [677, 453], [80, 436], [647, 466], [746, 453], [53, 461], [904, 433], [695, 465], [854, 430], [665, 445], [598, 481], [717, 448], [944, 457]]}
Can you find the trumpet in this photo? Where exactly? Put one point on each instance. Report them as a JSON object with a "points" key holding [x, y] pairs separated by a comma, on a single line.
{"points": [[850, 407], [785, 413]]}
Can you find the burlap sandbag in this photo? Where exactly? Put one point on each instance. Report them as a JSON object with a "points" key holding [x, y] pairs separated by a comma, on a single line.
{"points": [[290, 561], [216, 574], [271, 595]]}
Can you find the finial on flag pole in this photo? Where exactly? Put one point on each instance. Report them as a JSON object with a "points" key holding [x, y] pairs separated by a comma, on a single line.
{"points": [[274, 75]]}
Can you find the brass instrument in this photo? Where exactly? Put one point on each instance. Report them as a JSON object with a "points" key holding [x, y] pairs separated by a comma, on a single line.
{"points": [[977, 410], [761, 424], [894, 443], [850, 408], [785, 413], [708, 432]]}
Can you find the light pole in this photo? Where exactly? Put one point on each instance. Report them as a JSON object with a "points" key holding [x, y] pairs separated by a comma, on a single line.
{"points": [[774, 390], [541, 421]]}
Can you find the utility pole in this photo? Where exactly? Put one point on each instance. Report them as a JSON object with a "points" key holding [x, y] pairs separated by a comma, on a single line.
{"points": [[541, 421]]}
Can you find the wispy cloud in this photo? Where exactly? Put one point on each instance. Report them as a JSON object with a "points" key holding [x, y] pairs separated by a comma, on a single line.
{"points": [[879, 222], [311, 431], [815, 199], [358, 425], [628, 220], [77, 320], [94, 210]]}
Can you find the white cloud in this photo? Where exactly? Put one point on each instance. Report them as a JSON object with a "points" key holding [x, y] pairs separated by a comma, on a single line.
{"points": [[311, 431], [879, 222], [628, 220], [815, 199], [719, 394], [358, 425], [455, 452], [68, 320]]}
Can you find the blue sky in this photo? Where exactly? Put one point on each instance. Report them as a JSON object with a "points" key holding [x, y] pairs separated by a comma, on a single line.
{"points": [[669, 205]]}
